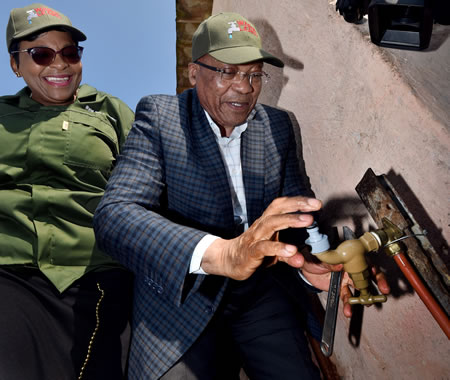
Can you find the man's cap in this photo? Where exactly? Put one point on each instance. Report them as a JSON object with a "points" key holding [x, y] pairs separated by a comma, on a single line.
{"points": [[230, 38], [34, 18]]}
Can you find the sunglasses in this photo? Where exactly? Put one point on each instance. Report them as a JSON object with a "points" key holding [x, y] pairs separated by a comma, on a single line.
{"points": [[44, 56]]}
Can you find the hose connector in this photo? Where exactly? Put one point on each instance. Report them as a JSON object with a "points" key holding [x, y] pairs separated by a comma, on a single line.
{"points": [[317, 241]]}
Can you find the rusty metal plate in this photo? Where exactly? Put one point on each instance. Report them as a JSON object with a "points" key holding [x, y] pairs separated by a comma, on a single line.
{"points": [[381, 200]]}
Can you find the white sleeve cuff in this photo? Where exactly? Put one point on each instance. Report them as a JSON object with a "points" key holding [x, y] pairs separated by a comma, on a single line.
{"points": [[302, 276], [198, 253]]}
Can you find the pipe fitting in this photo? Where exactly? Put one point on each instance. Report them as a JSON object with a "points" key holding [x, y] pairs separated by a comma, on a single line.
{"points": [[350, 253], [370, 242]]}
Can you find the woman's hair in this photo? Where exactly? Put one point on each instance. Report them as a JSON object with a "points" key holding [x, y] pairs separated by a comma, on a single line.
{"points": [[16, 43]]}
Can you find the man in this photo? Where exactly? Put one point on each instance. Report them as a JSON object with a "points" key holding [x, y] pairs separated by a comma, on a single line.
{"points": [[193, 208]]}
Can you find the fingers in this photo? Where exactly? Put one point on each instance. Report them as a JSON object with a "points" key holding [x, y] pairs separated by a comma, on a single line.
{"points": [[274, 248], [238, 258], [295, 261], [281, 214], [381, 281], [347, 310], [345, 297], [282, 252], [285, 205], [321, 268], [268, 225], [346, 292]]}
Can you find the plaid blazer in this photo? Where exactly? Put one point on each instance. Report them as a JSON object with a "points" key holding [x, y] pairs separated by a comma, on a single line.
{"points": [[168, 190]]}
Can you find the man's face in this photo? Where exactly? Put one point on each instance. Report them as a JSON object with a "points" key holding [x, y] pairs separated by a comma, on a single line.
{"points": [[227, 102]]}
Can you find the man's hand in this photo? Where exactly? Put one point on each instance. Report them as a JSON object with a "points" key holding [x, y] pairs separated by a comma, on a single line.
{"points": [[319, 276], [347, 283], [238, 258]]}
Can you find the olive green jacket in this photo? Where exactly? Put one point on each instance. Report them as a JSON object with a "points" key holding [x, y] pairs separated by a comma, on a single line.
{"points": [[54, 165]]}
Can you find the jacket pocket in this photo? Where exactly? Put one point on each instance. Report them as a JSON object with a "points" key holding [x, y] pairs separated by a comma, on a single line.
{"points": [[91, 141]]}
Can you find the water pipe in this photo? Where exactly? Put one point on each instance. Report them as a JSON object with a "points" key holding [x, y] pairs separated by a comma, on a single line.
{"points": [[434, 308], [394, 249]]}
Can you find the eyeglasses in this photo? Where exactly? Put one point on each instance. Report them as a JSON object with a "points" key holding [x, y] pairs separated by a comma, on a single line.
{"points": [[44, 56], [230, 75]]}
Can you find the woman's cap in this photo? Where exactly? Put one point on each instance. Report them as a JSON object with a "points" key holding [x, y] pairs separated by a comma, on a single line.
{"points": [[230, 38], [34, 18]]}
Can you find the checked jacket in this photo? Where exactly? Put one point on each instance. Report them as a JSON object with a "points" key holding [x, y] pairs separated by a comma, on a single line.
{"points": [[168, 190]]}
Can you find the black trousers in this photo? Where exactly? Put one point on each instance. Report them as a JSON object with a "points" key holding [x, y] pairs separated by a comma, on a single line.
{"points": [[79, 334], [258, 328]]}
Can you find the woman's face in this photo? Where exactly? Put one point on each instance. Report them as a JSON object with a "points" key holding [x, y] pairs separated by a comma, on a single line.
{"points": [[55, 84]]}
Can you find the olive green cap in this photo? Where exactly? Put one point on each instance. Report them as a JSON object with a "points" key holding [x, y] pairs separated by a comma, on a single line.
{"points": [[35, 17], [230, 38]]}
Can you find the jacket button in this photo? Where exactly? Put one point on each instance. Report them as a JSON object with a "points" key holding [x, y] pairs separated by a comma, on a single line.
{"points": [[209, 310]]}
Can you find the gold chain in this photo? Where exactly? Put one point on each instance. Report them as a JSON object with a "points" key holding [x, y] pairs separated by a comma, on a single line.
{"points": [[97, 325]]}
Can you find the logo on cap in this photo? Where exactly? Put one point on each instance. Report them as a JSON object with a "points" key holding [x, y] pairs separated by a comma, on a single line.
{"points": [[233, 28], [240, 26], [37, 12], [31, 14]]}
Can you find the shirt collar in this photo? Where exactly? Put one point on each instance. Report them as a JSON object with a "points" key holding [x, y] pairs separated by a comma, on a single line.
{"points": [[237, 131]]}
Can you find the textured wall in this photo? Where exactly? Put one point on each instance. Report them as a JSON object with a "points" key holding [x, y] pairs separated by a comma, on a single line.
{"points": [[190, 13], [362, 106]]}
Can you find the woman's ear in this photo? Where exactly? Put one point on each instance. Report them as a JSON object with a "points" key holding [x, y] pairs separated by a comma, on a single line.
{"points": [[192, 71], [14, 65]]}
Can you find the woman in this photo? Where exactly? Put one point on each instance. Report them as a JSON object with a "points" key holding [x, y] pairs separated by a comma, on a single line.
{"points": [[64, 304]]}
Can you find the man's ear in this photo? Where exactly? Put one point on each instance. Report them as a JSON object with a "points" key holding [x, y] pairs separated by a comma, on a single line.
{"points": [[192, 71]]}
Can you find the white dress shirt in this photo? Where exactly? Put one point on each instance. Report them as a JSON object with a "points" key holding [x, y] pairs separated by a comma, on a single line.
{"points": [[230, 147]]}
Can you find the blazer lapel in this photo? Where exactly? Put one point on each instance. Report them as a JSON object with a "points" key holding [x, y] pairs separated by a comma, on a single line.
{"points": [[208, 154]]}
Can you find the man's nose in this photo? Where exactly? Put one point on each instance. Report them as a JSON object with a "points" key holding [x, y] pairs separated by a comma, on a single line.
{"points": [[243, 85]]}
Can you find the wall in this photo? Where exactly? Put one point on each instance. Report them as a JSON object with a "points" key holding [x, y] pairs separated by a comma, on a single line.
{"points": [[360, 106], [190, 13]]}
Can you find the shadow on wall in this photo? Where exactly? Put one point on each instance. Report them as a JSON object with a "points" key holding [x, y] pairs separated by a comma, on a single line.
{"points": [[278, 79], [336, 210], [440, 34], [299, 144]]}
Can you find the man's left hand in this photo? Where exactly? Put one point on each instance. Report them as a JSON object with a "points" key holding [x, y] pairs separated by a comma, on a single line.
{"points": [[319, 276]]}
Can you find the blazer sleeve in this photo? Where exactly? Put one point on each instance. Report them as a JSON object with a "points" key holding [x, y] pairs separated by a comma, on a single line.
{"points": [[128, 222]]}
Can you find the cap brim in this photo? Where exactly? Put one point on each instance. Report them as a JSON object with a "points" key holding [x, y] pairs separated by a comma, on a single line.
{"points": [[79, 36], [245, 54]]}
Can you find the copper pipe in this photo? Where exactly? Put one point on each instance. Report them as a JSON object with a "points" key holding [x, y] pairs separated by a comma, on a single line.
{"points": [[434, 308]]}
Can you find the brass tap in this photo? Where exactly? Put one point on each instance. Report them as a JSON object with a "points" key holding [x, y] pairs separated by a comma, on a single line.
{"points": [[351, 253]]}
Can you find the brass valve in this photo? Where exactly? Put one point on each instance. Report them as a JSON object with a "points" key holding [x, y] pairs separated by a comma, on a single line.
{"points": [[389, 236], [351, 253]]}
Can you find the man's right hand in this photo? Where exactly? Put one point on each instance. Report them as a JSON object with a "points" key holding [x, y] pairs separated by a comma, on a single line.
{"points": [[239, 258]]}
